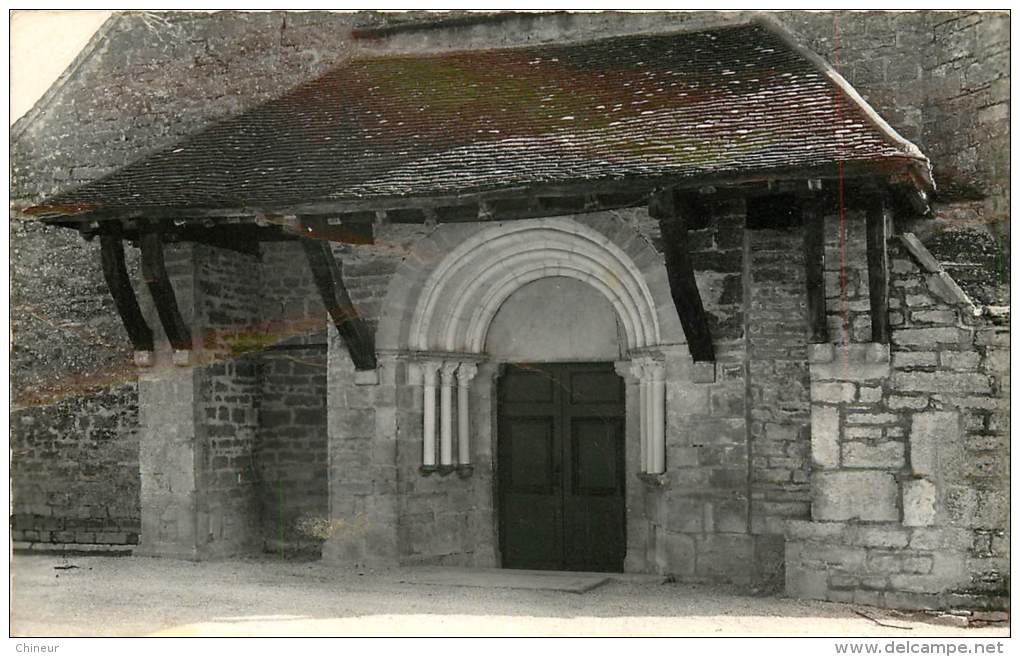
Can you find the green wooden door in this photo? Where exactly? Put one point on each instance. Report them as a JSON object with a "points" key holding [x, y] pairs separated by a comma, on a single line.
{"points": [[561, 467]]}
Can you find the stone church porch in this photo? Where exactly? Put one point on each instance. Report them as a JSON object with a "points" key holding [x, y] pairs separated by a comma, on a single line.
{"points": [[697, 339]]}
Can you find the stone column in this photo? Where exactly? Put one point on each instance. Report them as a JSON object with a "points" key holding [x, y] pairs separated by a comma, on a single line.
{"points": [[657, 431], [637, 369], [448, 371], [429, 370], [651, 375], [465, 373]]}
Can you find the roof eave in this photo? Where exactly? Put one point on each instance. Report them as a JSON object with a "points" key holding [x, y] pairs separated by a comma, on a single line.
{"points": [[908, 148]]}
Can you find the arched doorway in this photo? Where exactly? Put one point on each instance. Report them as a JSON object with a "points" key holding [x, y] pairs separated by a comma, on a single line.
{"points": [[466, 302], [560, 460]]}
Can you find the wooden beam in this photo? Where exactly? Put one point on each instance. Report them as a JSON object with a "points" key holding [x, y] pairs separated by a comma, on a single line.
{"points": [[674, 210], [117, 280], [347, 233], [813, 221], [878, 268], [155, 276], [792, 177], [349, 323]]}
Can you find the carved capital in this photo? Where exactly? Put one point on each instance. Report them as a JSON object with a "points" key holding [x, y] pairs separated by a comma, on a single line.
{"points": [[465, 373], [429, 370], [449, 369]]}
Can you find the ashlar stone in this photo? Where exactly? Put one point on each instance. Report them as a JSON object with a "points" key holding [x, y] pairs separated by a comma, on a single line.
{"points": [[918, 503], [848, 495]]}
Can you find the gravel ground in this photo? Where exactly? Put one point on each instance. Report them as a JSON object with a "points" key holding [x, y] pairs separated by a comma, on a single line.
{"points": [[139, 596]]}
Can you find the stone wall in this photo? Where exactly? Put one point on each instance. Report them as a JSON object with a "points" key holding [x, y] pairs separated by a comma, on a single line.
{"points": [[777, 388], [698, 513], [74, 398], [910, 488], [74, 478], [291, 452], [227, 400], [381, 508]]}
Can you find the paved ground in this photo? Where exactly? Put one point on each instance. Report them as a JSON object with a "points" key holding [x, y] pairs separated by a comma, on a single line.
{"points": [[140, 596]]}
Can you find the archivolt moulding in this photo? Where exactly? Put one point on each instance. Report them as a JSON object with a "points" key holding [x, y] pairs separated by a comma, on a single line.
{"points": [[467, 288]]}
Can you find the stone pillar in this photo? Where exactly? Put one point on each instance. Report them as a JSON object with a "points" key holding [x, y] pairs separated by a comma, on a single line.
{"points": [[198, 416], [362, 428], [166, 418], [465, 373]]}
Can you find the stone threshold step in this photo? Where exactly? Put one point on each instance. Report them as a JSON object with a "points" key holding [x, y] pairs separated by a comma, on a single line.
{"points": [[508, 578]]}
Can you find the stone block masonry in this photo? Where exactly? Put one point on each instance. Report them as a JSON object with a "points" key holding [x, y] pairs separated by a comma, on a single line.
{"points": [[198, 423], [778, 394], [910, 490], [291, 450], [75, 476]]}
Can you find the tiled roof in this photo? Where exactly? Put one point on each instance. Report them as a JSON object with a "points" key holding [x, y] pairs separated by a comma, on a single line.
{"points": [[717, 102]]}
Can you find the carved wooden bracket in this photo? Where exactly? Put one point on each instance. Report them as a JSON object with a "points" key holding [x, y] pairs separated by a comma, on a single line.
{"points": [[117, 280], [155, 276], [349, 323], [674, 211]]}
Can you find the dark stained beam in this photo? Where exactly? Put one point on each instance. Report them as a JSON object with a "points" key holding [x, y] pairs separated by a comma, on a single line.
{"points": [[348, 232], [878, 268], [117, 280], [674, 210], [349, 323], [155, 276], [813, 221], [763, 181]]}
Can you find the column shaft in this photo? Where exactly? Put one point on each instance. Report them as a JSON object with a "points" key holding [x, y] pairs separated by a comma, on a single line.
{"points": [[446, 414], [658, 430], [465, 373], [429, 414]]}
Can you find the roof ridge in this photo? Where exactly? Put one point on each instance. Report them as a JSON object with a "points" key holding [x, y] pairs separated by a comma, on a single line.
{"points": [[742, 20]]}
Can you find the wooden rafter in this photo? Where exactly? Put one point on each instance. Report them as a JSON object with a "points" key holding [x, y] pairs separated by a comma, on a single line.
{"points": [[117, 280], [155, 275], [349, 323], [673, 212]]}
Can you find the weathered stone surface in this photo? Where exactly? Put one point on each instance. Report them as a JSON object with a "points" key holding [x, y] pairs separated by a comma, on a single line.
{"points": [[918, 503], [832, 392], [926, 336], [807, 583], [887, 454], [825, 436], [677, 555], [947, 382], [904, 359], [869, 395], [927, 430], [853, 362], [865, 495], [883, 536]]}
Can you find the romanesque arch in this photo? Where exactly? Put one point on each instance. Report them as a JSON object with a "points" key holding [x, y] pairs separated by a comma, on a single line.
{"points": [[448, 290]]}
